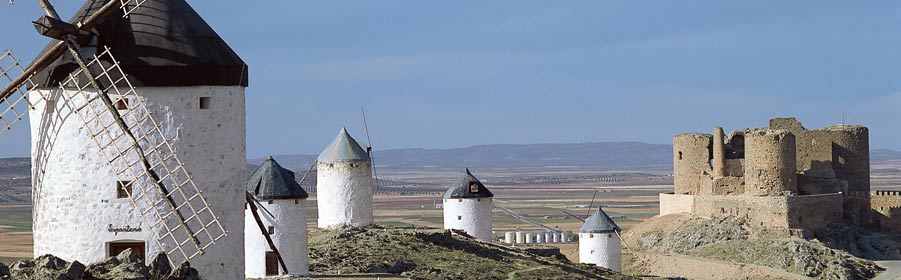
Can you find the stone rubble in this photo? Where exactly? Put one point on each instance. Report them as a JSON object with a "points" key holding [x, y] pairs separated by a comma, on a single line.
{"points": [[125, 266]]}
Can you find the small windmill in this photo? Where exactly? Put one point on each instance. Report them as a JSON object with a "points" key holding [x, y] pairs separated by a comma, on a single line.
{"points": [[99, 94]]}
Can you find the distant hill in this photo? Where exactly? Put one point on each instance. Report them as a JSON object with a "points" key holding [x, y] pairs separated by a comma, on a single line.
{"points": [[597, 154], [878, 155], [601, 154]]}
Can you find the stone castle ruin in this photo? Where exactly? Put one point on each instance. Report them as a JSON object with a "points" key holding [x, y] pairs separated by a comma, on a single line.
{"points": [[782, 178]]}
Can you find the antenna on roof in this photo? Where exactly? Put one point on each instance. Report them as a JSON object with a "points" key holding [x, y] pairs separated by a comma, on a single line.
{"points": [[369, 149], [843, 117]]}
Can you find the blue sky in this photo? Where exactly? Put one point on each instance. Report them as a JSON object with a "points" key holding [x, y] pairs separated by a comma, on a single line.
{"points": [[443, 74]]}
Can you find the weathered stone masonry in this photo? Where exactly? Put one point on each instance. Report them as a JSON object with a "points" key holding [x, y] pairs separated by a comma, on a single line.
{"points": [[783, 176]]}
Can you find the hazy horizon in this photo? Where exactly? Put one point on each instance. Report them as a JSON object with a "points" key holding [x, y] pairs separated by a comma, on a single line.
{"points": [[454, 74]]}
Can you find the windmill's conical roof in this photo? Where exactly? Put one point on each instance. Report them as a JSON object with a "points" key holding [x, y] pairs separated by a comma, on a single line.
{"points": [[163, 43], [467, 186], [344, 148], [272, 181], [599, 222]]}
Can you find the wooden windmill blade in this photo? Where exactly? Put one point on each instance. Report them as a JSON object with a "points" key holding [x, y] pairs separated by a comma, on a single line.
{"points": [[14, 104], [134, 145], [126, 135], [253, 203], [129, 6]]}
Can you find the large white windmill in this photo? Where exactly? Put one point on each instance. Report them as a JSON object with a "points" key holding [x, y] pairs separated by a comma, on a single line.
{"points": [[138, 135]]}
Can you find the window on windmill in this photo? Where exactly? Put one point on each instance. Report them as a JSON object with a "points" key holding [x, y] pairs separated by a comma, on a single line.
{"points": [[459, 218], [271, 230], [473, 187], [205, 102], [123, 189], [122, 103]]}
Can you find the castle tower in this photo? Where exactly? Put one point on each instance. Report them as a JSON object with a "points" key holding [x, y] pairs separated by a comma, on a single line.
{"points": [[282, 212], [344, 184], [467, 206], [851, 155], [599, 243], [770, 163], [183, 71], [691, 158]]}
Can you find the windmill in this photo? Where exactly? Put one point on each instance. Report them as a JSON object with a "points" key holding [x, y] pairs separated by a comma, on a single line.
{"points": [[89, 119]]}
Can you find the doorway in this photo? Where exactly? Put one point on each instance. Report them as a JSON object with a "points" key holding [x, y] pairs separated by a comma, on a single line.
{"points": [[271, 264], [115, 248]]}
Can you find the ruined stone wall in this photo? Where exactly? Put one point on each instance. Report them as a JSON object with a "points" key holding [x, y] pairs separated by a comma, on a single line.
{"points": [[813, 147], [671, 203], [770, 162], [814, 211], [722, 185], [691, 159], [875, 209], [809, 212], [735, 167], [851, 155], [758, 211]]}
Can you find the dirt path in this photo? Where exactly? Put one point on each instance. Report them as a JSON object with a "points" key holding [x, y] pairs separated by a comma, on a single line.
{"points": [[892, 270], [703, 269]]}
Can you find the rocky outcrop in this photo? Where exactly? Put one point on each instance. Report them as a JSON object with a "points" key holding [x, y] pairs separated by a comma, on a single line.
{"points": [[731, 240], [125, 266]]}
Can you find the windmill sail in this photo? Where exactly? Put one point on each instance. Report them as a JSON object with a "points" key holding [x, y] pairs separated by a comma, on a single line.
{"points": [[15, 104], [162, 190], [129, 6]]}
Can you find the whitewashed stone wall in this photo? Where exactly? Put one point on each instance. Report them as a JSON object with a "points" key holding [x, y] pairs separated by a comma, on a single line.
{"points": [[344, 194], [472, 215], [75, 197], [601, 249], [290, 237]]}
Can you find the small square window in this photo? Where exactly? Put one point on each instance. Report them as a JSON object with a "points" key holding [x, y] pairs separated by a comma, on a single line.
{"points": [[205, 102], [122, 103], [123, 189], [271, 230], [459, 218], [473, 187]]}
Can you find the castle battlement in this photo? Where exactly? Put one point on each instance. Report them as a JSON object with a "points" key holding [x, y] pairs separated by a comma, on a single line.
{"points": [[780, 176]]}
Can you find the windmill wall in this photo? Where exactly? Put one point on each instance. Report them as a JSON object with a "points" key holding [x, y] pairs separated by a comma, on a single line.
{"points": [[289, 235], [344, 194], [601, 249], [76, 210], [472, 215]]}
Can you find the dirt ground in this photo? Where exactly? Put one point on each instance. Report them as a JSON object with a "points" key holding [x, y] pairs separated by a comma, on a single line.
{"points": [[702, 269]]}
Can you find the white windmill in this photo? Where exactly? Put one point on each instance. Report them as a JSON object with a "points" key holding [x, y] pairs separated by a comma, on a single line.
{"points": [[467, 207], [276, 237], [599, 242], [344, 184], [137, 128]]}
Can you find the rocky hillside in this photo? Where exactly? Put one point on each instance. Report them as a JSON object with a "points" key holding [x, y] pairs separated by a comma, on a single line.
{"points": [[730, 240], [436, 254], [124, 266]]}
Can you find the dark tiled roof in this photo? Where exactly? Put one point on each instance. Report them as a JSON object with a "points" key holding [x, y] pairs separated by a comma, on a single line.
{"points": [[164, 43], [462, 188], [344, 148], [599, 222], [271, 181]]}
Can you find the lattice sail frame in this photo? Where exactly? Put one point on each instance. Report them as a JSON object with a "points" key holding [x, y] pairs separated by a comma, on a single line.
{"points": [[201, 227], [129, 6], [15, 107]]}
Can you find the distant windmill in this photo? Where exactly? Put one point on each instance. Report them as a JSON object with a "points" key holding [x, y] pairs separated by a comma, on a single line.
{"points": [[85, 111]]}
